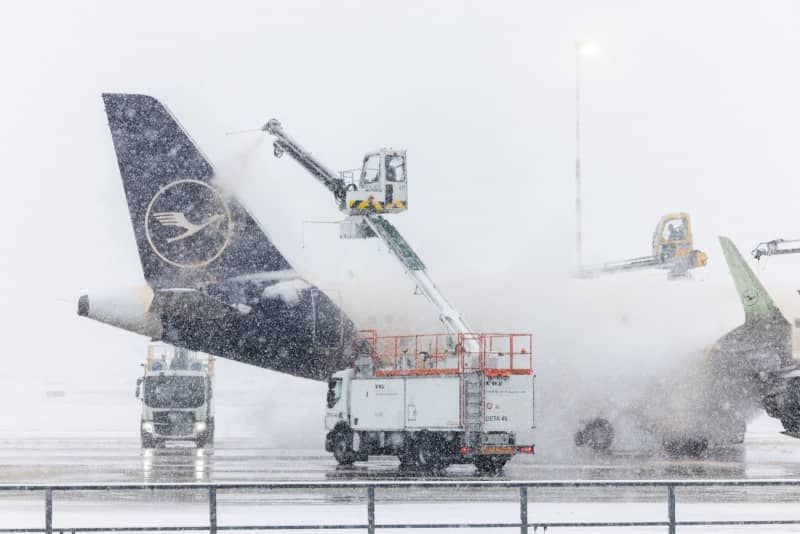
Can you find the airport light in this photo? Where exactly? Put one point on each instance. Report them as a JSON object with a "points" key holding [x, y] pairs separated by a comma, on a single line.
{"points": [[582, 48], [588, 48]]}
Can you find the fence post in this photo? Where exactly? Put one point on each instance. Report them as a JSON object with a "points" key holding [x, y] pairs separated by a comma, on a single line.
{"points": [[523, 510], [371, 510], [671, 508], [212, 510], [48, 510]]}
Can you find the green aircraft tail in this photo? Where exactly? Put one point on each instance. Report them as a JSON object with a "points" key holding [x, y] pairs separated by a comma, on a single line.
{"points": [[757, 303]]}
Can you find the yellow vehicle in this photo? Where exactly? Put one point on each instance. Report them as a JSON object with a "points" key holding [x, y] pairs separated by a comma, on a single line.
{"points": [[673, 250]]}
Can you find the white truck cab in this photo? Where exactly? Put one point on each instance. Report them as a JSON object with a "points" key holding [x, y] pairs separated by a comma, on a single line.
{"points": [[176, 392], [338, 403]]}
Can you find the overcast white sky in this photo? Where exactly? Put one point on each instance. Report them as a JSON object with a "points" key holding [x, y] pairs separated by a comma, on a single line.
{"points": [[689, 106]]}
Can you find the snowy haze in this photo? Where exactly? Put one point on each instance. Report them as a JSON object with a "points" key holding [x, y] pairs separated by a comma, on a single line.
{"points": [[688, 107]]}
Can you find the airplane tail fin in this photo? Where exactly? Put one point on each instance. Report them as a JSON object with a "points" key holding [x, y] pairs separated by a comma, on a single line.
{"points": [[757, 304], [187, 229]]}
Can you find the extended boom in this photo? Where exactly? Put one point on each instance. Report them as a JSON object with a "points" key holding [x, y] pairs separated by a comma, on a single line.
{"points": [[284, 143], [776, 247], [383, 178]]}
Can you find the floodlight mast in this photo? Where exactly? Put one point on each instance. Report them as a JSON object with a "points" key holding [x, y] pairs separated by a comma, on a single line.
{"points": [[364, 221]]}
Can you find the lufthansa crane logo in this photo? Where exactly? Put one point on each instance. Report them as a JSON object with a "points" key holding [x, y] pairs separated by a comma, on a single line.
{"points": [[750, 297], [188, 224]]}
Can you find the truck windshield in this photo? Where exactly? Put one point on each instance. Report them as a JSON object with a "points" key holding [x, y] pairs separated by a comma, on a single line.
{"points": [[174, 391], [371, 170], [674, 230]]}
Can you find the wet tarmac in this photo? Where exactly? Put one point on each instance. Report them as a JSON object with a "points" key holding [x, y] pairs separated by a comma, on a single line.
{"points": [[97, 460]]}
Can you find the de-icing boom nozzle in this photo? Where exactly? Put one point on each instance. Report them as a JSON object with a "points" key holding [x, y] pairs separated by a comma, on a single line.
{"points": [[272, 126], [283, 143]]}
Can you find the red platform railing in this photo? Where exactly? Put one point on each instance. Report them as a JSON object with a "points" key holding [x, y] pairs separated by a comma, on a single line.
{"points": [[494, 354]]}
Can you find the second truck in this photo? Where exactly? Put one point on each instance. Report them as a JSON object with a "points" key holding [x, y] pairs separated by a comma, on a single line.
{"points": [[176, 394]]}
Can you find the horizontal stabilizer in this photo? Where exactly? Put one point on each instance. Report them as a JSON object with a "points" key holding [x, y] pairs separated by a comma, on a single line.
{"points": [[190, 303]]}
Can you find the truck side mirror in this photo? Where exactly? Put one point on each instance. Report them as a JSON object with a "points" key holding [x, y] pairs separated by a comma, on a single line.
{"points": [[331, 397], [139, 386]]}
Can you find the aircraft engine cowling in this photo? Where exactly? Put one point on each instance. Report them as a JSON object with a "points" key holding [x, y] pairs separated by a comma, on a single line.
{"points": [[127, 308], [597, 434]]}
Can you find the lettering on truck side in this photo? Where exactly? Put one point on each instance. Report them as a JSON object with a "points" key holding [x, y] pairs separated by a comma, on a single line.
{"points": [[508, 403]]}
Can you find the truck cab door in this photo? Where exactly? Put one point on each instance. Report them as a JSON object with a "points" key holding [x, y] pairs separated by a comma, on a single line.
{"points": [[395, 172], [336, 402]]}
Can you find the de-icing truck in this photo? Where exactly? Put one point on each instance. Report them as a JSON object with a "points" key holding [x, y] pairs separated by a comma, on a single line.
{"points": [[176, 395], [434, 400]]}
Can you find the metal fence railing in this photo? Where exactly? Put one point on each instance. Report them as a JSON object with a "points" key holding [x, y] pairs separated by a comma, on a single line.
{"points": [[370, 525]]}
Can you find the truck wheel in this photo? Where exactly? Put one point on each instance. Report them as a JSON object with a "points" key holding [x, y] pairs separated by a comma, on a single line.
{"points": [[490, 465], [408, 454], [430, 451], [343, 448]]}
